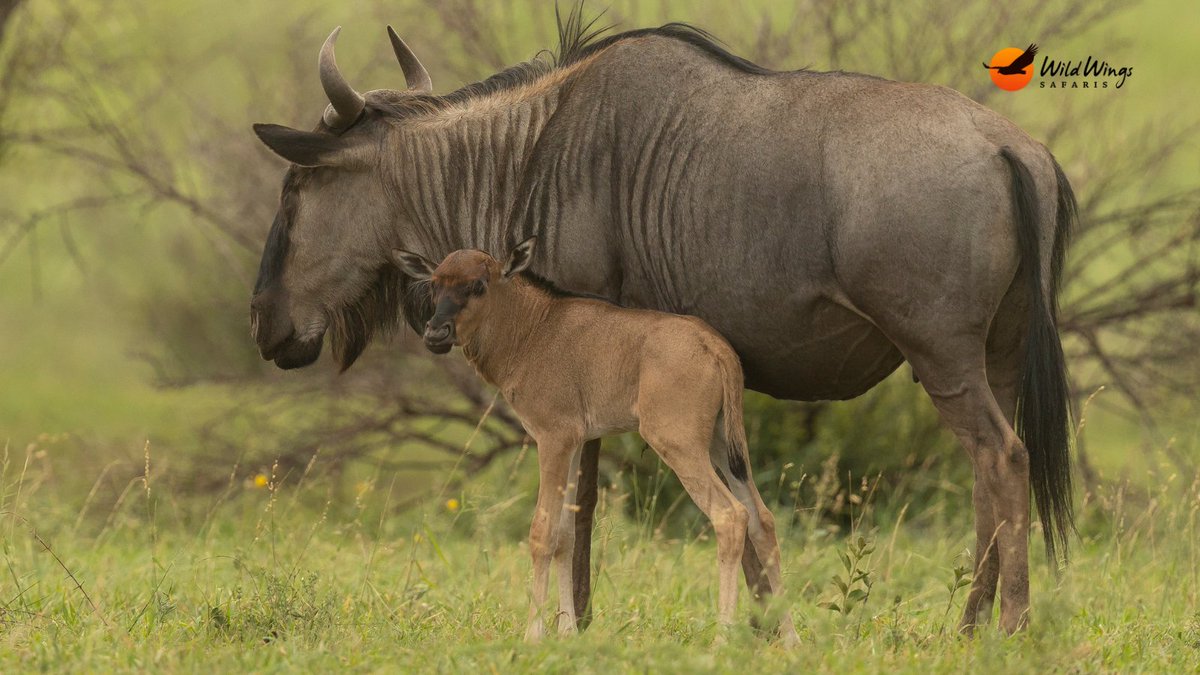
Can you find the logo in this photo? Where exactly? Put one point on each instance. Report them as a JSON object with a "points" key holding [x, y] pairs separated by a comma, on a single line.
{"points": [[1090, 73], [1012, 68]]}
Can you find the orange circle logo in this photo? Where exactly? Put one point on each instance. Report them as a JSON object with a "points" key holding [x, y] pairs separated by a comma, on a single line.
{"points": [[1012, 68]]}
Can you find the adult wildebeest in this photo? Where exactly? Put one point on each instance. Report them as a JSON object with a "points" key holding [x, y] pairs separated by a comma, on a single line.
{"points": [[829, 225], [576, 368]]}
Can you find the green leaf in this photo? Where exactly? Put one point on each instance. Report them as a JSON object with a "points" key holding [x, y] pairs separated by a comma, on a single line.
{"points": [[857, 595], [845, 560], [842, 585], [833, 606]]}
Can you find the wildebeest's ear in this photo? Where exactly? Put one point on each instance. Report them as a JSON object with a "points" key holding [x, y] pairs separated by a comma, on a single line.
{"points": [[413, 264], [306, 148], [521, 256]]}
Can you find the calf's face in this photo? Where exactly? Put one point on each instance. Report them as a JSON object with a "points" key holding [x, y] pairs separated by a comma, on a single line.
{"points": [[460, 289], [460, 284]]}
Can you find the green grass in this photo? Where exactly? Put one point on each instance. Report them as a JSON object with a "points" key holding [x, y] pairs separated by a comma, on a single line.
{"points": [[285, 578]]}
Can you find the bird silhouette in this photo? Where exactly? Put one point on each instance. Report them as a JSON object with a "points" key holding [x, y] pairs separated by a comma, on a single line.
{"points": [[1017, 67]]}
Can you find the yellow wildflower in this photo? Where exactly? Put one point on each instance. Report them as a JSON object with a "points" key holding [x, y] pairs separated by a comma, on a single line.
{"points": [[261, 480], [452, 504]]}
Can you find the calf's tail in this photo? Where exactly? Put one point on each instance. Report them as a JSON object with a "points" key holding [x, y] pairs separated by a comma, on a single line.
{"points": [[732, 384]]}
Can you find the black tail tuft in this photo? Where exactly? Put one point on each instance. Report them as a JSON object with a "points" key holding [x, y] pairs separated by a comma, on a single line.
{"points": [[1043, 403], [732, 383], [737, 465]]}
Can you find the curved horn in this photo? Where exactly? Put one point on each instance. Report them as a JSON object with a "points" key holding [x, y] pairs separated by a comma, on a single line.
{"points": [[344, 103], [415, 74]]}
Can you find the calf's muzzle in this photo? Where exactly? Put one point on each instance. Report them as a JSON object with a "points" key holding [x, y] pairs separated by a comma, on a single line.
{"points": [[440, 338]]}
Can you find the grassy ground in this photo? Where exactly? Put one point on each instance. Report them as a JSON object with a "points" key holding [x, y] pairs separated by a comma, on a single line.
{"points": [[134, 575]]}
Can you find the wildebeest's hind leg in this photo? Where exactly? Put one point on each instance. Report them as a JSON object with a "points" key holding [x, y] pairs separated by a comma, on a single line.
{"points": [[956, 380], [545, 533], [581, 559], [762, 543], [1004, 359]]}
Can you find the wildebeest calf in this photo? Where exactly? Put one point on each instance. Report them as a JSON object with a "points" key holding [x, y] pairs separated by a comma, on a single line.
{"points": [[575, 369]]}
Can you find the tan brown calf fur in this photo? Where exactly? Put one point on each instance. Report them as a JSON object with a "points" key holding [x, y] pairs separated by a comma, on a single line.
{"points": [[575, 369]]}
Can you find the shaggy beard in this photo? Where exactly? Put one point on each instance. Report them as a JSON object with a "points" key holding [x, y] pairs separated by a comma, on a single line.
{"points": [[391, 298]]}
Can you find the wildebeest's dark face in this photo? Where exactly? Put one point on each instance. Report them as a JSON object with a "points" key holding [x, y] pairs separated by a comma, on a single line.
{"points": [[323, 257], [325, 266]]}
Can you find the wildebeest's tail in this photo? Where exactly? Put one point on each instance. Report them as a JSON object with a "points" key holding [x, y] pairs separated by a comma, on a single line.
{"points": [[1043, 403], [732, 384]]}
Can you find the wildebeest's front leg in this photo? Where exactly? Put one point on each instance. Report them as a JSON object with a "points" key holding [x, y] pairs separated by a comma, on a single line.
{"points": [[545, 533], [581, 559], [564, 551]]}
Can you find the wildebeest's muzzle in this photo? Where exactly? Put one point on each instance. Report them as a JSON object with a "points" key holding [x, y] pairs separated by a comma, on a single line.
{"points": [[275, 333]]}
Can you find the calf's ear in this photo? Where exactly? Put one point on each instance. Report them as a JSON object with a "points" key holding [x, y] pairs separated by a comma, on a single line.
{"points": [[520, 258], [413, 264]]}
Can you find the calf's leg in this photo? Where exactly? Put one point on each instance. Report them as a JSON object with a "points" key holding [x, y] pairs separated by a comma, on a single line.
{"points": [[554, 463], [760, 533], [756, 579], [687, 456], [752, 569]]}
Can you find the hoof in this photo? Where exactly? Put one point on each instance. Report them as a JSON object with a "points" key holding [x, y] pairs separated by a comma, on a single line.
{"points": [[567, 625], [789, 640], [535, 633]]}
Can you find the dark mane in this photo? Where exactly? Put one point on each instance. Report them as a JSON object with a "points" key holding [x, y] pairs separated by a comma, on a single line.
{"points": [[683, 32], [577, 40], [555, 291]]}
